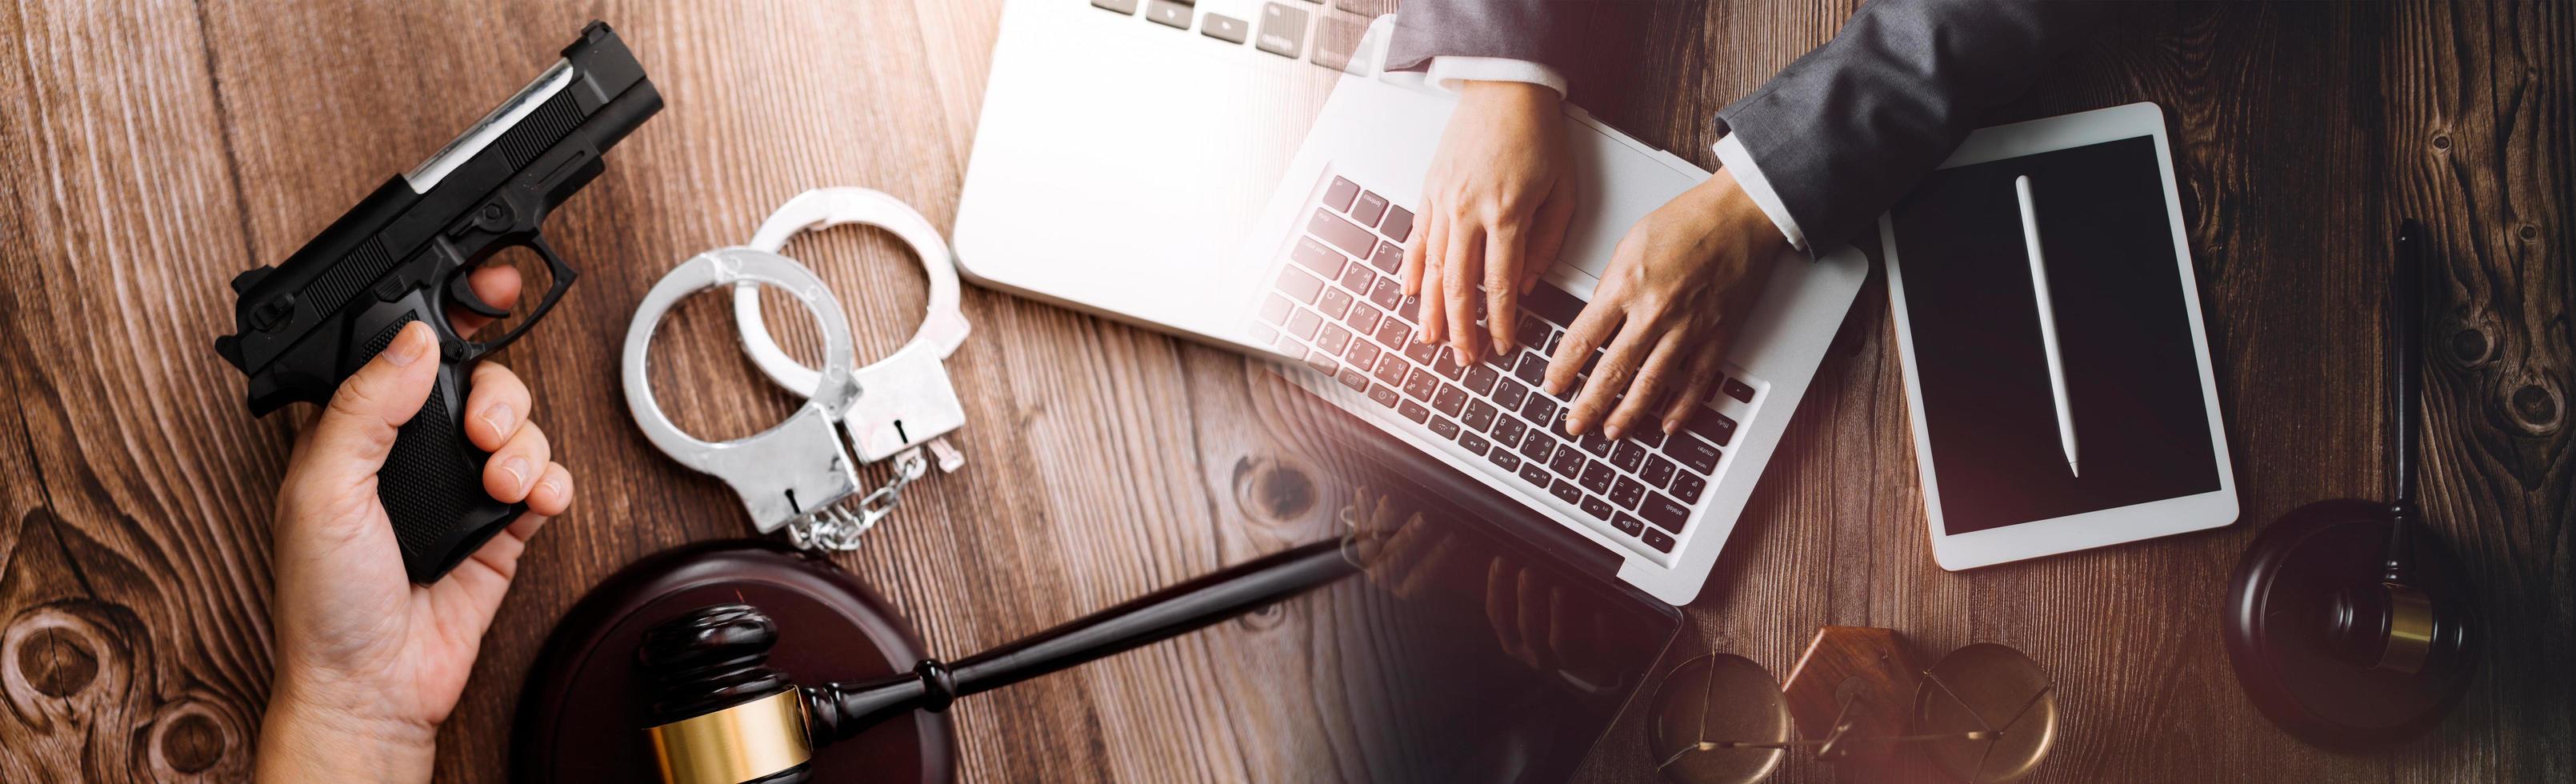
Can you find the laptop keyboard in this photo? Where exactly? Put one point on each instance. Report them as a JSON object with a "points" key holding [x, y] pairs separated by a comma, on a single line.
{"points": [[1338, 304], [1318, 32]]}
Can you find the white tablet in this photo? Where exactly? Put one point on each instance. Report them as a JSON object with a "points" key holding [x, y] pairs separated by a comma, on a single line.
{"points": [[2141, 409]]}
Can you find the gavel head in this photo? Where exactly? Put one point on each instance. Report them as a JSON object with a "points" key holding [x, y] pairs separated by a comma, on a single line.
{"points": [[720, 715]]}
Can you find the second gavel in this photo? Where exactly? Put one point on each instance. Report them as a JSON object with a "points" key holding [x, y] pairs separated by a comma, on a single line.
{"points": [[721, 715]]}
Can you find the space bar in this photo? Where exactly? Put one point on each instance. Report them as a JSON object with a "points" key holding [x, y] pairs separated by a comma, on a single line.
{"points": [[1552, 303]]}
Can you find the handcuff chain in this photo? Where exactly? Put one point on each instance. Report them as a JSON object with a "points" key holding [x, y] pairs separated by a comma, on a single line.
{"points": [[837, 527]]}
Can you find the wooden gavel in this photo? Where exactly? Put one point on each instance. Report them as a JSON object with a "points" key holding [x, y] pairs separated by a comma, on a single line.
{"points": [[721, 715]]}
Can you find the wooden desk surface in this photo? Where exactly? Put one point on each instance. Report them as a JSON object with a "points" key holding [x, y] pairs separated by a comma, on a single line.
{"points": [[149, 150]]}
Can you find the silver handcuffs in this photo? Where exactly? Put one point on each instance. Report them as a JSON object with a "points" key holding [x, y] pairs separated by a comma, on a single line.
{"points": [[798, 474]]}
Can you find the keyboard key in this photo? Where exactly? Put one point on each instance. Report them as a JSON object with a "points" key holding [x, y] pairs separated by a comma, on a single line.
{"points": [[1335, 303], [1358, 279], [1551, 303], [1383, 395], [1314, 256], [1652, 435], [1715, 427], [1689, 487], [1446, 364], [1413, 411], [1508, 430], [1481, 378], [1389, 258], [1533, 474], [1420, 353], [1538, 447], [1225, 28], [1321, 362], [1121, 6], [1394, 335], [1567, 491], [1556, 427], [1531, 370], [1341, 233], [1299, 286], [1339, 194], [1391, 369], [1303, 324], [1629, 456], [1449, 400], [1274, 308], [1283, 33], [1363, 319], [1530, 331], [1353, 378], [1410, 308], [1657, 539], [1540, 410], [1370, 207], [1597, 508], [1385, 293], [1503, 458], [1627, 492], [1592, 440], [1332, 339], [1659, 471], [1288, 345], [1509, 394], [1628, 524], [1736, 388], [1695, 454], [1597, 476], [1445, 428], [1474, 443], [1665, 512], [1335, 38], [1264, 335], [1480, 415], [1363, 354], [1168, 13], [1568, 461], [1420, 384], [1398, 224]]}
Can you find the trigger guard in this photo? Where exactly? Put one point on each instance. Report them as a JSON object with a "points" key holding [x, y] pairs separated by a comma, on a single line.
{"points": [[460, 292], [942, 328]]}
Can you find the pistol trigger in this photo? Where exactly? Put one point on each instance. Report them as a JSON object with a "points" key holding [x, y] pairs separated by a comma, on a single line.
{"points": [[461, 292]]}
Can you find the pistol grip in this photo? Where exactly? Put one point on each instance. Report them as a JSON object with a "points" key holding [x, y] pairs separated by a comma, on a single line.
{"points": [[432, 482]]}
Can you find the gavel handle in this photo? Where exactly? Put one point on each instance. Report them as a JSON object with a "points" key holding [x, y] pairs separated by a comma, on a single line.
{"points": [[840, 710]]}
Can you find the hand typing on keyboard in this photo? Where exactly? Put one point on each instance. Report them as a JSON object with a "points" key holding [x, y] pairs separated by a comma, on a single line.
{"points": [[1494, 215], [1679, 281]]}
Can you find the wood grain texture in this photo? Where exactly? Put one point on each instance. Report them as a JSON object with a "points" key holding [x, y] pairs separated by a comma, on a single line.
{"points": [[151, 149]]}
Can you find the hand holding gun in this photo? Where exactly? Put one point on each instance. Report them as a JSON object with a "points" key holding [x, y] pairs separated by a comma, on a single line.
{"points": [[404, 253]]}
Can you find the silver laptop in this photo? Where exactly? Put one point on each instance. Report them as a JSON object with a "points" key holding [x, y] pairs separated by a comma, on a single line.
{"points": [[1171, 199]]}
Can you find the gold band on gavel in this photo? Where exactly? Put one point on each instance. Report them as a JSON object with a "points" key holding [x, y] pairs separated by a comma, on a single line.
{"points": [[737, 744]]}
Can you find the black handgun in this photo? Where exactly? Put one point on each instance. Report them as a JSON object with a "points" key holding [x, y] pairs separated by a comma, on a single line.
{"points": [[402, 255]]}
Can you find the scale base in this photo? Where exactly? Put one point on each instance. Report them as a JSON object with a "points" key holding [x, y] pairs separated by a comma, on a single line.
{"points": [[582, 713], [2315, 676]]}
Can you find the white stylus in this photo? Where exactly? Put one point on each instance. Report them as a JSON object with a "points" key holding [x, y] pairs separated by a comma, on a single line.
{"points": [[2047, 321]]}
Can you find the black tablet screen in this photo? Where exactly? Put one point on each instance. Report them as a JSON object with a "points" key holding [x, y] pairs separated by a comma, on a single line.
{"points": [[2124, 331]]}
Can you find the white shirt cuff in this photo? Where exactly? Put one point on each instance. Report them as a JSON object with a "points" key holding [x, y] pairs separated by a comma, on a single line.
{"points": [[1731, 154], [1447, 72]]}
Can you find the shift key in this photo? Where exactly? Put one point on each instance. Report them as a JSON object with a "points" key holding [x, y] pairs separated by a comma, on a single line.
{"points": [[1342, 234]]}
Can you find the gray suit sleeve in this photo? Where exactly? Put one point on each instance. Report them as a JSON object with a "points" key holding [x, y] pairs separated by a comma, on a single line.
{"points": [[1846, 130], [1540, 31]]}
